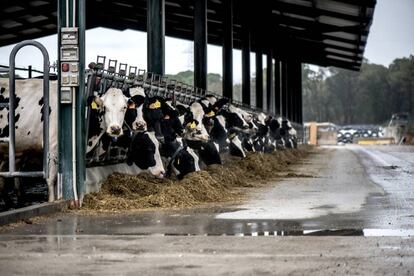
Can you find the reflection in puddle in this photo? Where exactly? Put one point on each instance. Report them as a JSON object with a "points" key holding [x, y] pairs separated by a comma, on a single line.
{"points": [[388, 233], [329, 232]]}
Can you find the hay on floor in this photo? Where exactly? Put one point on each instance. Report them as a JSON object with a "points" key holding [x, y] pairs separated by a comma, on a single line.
{"points": [[218, 183]]}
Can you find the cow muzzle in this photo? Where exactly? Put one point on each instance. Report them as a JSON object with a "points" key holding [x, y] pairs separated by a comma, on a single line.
{"points": [[114, 131], [140, 126], [159, 174], [197, 135]]}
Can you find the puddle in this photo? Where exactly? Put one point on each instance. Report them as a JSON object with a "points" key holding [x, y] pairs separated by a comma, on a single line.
{"points": [[326, 206], [392, 167], [317, 232], [388, 233]]}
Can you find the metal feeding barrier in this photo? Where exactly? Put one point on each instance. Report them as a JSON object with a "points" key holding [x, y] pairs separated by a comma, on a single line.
{"points": [[101, 78]]}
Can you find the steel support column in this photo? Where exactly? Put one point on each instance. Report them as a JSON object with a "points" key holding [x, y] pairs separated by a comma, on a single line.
{"points": [[245, 57], [269, 80], [300, 95], [71, 117], [290, 90], [292, 96], [294, 90], [294, 113], [258, 37], [228, 49], [200, 44], [156, 36], [81, 138], [259, 78], [284, 81], [277, 86]]}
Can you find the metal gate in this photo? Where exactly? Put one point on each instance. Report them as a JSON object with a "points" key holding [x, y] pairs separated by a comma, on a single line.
{"points": [[11, 105]]}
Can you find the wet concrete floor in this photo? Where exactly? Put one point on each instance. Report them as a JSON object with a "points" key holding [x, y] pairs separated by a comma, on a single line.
{"points": [[355, 191]]}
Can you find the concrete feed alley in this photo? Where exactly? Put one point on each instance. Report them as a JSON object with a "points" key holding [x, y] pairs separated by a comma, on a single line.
{"points": [[342, 210]]}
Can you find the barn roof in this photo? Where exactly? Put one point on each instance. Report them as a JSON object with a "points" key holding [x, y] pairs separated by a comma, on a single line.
{"points": [[322, 32]]}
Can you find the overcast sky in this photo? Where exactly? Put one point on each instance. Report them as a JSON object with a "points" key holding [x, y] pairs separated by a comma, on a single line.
{"points": [[391, 36]]}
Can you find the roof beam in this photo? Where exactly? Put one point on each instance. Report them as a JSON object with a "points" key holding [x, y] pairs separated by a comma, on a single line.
{"points": [[313, 11]]}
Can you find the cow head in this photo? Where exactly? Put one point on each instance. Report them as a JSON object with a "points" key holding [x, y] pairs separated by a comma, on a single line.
{"points": [[185, 162], [219, 104], [235, 147], [134, 116], [135, 119], [144, 152], [114, 104], [234, 117], [193, 123], [195, 131], [137, 95]]}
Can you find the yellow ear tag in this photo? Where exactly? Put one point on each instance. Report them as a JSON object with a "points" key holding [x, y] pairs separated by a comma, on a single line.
{"points": [[94, 105], [132, 106], [155, 105], [210, 114], [192, 125], [178, 161]]}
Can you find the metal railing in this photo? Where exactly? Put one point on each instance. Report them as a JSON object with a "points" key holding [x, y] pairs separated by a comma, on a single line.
{"points": [[11, 104], [154, 85]]}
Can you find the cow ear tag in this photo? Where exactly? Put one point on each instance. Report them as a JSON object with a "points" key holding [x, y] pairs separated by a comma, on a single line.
{"points": [[131, 106], [94, 105], [178, 161], [155, 105], [192, 125], [210, 114]]}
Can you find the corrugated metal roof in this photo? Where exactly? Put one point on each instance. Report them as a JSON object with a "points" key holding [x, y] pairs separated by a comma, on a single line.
{"points": [[323, 32]]}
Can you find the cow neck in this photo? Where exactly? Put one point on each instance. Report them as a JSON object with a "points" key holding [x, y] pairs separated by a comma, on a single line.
{"points": [[180, 148], [129, 127]]}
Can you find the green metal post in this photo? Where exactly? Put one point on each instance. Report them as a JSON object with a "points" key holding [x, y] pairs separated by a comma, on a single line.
{"points": [[71, 13], [156, 36], [64, 117], [80, 103]]}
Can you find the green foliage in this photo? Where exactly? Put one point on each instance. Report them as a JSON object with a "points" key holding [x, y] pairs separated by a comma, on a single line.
{"points": [[214, 81], [370, 96], [6, 76]]}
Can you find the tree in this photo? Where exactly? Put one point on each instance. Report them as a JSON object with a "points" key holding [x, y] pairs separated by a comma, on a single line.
{"points": [[315, 97]]}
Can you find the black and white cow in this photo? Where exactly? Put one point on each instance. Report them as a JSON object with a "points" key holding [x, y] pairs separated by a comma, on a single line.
{"points": [[288, 134], [144, 149], [196, 134], [158, 133], [261, 137], [275, 132], [29, 120]]}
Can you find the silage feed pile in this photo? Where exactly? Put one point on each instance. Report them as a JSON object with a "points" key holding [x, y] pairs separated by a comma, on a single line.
{"points": [[217, 183]]}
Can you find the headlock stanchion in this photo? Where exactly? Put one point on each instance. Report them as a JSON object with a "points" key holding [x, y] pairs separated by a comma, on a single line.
{"points": [[100, 79], [12, 96]]}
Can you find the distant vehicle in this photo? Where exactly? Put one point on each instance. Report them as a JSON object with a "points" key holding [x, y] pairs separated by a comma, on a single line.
{"points": [[399, 119], [399, 127], [347, 134]]}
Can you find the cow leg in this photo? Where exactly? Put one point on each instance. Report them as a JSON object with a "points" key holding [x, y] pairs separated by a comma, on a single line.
{"points": [[6, 190], [18, 190], [3, 193], [52, 181]]}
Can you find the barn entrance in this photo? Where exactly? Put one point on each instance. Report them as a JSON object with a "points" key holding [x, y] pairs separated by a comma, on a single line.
{"points": [[14, 165]]}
